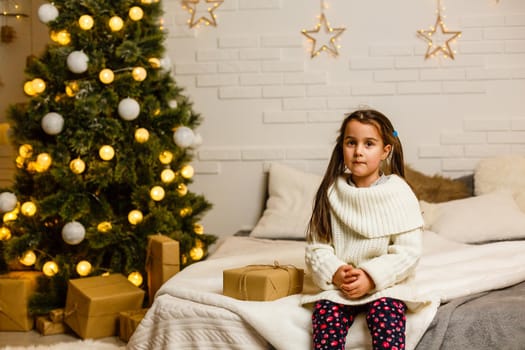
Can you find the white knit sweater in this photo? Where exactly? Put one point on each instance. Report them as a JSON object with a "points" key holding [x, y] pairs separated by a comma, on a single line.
{"points": [[377, 229]]}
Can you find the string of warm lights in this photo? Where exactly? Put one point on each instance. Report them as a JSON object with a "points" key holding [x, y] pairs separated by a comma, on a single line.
{"points": [[436, 46], [202, 11], [314, 35]]}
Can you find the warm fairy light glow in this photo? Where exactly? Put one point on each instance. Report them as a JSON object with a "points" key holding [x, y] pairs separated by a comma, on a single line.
{"points": [[106, 152], [185, 212], [135, 217], [28, 208], [141, 135], [154, 62], [28, 259], [157, 193], [106, 76], [104, 227], [61, 37], [86, 22], [187, 171], [77, 166], [196, 253], [116, 23], [167, 176], [139, 73], [25, 151], [136, 278], [5, 233], [325, 34], [182, 190], [84, 268], [50, 268], [72, 88], [165, 157], [136, 13], [198, 228], [38, 85], [202, 11]]}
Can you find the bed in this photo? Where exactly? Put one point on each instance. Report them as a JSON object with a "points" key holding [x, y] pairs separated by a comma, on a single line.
{"points": [[472, 268]]}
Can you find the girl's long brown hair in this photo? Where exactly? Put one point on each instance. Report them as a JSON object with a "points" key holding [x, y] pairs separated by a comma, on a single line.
{"points": [[320, 228]]}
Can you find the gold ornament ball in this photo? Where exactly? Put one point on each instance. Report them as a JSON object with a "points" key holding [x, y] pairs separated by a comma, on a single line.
{"points": [[28, 259], [136, 278], [28, 208], [28, 88], [135, 217], [157, 193], [104, 226], [139, 73], [86, 22], [84, 268], [154, 62], [187, 171], [38, 85], [106, 76], [136, 13], [5, 233], [198, 228], [44, 161], [147, 2], [116, 23], [106, 152], [165, 157], [63, 37], [77, 166], [196, 253], [185, 212], [141, 135], [25, 151], [182, 190], [50, 268], [10, 216], [72, 89], [167, 176]]}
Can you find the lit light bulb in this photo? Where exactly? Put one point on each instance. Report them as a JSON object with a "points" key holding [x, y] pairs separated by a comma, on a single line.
{"points": [[196, 253], [135, 217], [86, 22], [165, 157], [38, 85], [154, 62], [187, 171], [106, 152], [182, 189], [10, 216], [28, 208], [28, 88], [106, 76], [139, 73], [5, 233], [63, 37], [72, 88], [77, 166], [141, 135], [116, 23], [84, 268], [167, 176], [185, 212], [157, 193], [104, 226], [28, 259], [43, 160], [50, 268], [25, 150], [198, 228], [135, 278], [136, 13]]}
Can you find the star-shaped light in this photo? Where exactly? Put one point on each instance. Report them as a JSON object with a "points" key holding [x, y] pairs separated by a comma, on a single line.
{"points": [[330, 33], [444, 45], [202, 11]]}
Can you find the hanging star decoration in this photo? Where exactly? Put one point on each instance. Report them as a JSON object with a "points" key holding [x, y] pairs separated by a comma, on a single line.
{"points": [[202, 11], [329, 44], [434, 46]]}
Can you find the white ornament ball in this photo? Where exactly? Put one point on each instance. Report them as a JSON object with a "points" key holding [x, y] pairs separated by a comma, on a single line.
{"points": [[183, 136], [73, 232], [197, 140], [128, 109], [173, 104], [52, 123], [47, 13], [77, 62], [8, 201]]}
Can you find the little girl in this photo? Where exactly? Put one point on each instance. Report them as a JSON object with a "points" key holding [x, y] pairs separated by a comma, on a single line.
{"points": [[364, 236]]}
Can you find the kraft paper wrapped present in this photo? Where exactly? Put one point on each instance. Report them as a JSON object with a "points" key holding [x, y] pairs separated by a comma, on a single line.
{"points": [[93, 304], [162, 262], [46, 326], [129, 321], [56, 315], [16, 288], [262, 282]]}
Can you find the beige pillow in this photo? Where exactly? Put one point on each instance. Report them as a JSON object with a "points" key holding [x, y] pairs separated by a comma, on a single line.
{"points": [[502, 173], [289, 205], [490, 217]]}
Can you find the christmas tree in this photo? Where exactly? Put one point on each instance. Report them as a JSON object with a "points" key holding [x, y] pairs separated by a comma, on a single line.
{"points": [[104, 149]]}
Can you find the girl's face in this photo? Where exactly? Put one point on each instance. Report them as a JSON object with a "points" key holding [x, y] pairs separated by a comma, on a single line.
{"points": [[363, 151]]}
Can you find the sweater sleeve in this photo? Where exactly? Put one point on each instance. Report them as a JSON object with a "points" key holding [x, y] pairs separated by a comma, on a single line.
{"points": [[323, 263], [399, 263]]}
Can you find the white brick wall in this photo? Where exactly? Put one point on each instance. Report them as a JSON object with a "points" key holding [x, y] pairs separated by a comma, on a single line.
{"points": [[263, 98]]}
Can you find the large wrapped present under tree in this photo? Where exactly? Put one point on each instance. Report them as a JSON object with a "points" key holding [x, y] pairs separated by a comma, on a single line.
{"points": [[93, 304], [16, 288]]}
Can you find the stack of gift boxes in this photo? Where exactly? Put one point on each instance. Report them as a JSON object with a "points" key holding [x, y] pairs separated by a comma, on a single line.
{"points": [[96, 307]]}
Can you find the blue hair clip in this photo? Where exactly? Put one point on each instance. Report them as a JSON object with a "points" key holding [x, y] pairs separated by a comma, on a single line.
{"points": [[394, 133]]}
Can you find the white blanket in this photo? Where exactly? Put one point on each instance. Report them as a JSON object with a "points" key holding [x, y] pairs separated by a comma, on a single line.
{"points": [[447, 270]]}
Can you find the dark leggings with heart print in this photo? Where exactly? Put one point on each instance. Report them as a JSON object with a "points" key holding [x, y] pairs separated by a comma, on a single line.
{"points": [[385, 318]]}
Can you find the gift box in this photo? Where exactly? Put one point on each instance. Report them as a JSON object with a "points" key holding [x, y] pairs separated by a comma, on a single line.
{"points": [[262, 282], [56, 315], [129, 321], [15, 290], [162, 262], [93, 304], [46, 326]]}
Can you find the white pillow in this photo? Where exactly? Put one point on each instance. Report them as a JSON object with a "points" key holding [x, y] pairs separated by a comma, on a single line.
{"points": [[490, 217], [289, 205], [501, 173]]}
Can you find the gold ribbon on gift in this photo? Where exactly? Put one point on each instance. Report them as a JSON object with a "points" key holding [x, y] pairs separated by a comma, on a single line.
{"points": [[243, 286]]}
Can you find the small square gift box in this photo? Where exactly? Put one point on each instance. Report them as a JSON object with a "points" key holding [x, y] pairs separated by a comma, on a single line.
{"points": [[93, 304], [262, 282], [129, 321]]}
